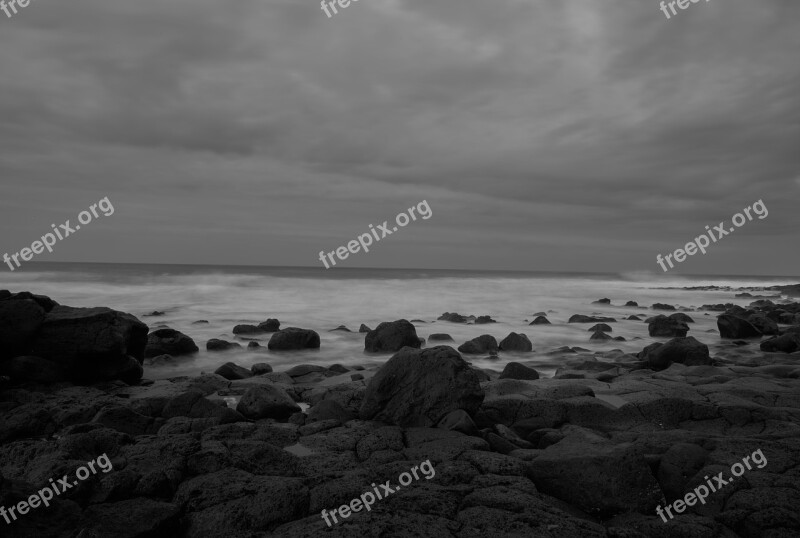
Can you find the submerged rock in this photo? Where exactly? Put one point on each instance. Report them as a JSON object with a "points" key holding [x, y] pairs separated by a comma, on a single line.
{"points": [[485, 343], [293, 338], [516, 342]]}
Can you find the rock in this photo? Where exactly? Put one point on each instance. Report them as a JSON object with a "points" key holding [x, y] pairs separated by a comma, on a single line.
{"points": [[266, 401], [485, 343], [515, 370], [680, 316], [440, 337], [293, 338], [579, 318], [662, 306], [634, 318], [391, 336], [685, 350], [247, 329], [231, 371], [602, 301], [420, 387], [35, 369], [599, 335], [786, 343], [216, 344], [337, 369], [600, 327], [516, 342], [270, 326], [364, 329], [169, 342], [484, 319], [341, 328], [304, 369], [460, 421], [20, 320], [678, 465], [253, 345], [356, 377], [200, 322], [631, 303], [154, 313], [540, 320], [453, 318], [261, 368], [735, 327], [329, 409], [661, 325], [760, 321], [131, 518], [92, 344]]}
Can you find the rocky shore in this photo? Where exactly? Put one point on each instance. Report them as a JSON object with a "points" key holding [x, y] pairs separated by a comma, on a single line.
{"points": [[592, 451]]}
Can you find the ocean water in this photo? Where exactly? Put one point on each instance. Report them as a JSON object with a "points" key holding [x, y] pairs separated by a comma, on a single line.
{"points": [[319, 299]]}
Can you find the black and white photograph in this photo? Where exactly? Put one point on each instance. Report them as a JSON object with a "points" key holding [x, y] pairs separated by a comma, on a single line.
{"points": [[400, 269]]}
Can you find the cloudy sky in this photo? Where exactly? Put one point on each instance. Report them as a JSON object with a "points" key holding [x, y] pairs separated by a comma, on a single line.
{"points": [[576, 135]]}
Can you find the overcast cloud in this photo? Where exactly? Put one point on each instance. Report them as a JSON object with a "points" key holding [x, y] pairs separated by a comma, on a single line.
{"points": [[576, 135]]}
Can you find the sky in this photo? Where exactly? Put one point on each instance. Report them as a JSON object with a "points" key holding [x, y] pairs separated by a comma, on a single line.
{"points": [[545, 135]]}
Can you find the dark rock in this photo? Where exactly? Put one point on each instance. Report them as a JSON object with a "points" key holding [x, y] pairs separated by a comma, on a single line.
{"points": [[42, 300], [580, 318], [200, 322], [662, 306], [734, 327], [270, 326], [760, 321], [261, 368], [154, 313], [661, 325], [440, 337], [341, 328], [391, 336], [337, 369], [484, 319], [364, 329], [216, 344], [452, 317], [680, 316], [599, 335], [35, 369], [686, 350], [420, 387], [92, 344], [248, 329], [20, 320], [169, 342], [677, 466], [485, 343], [634, 318], [267, 401], [786, 343], [329, 409], [602, 301], [253, 345], [600, 327], [540, 320], [418, 321], [131, 518], [293, 338], [631, 303], [356, 377], [516, 342], [460, 421], [231, 371], [515, 370]]}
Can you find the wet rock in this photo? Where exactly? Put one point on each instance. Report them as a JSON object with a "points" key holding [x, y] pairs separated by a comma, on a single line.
{"points": [[132, 518], [169, 342], [20, 320], [515, 370], [786, 343], [540, 320], [452, 317], [662, 306], [215, 344], [484, 319], [270, 326], [663, 326], [232, 371], [253, 345], [600, 327], [685, 350], [341, 328], [364, 329], [599, 335], [440, 337], [735, 327], [247, 329], [420, 387], [391, 336], [485, 343], [516, 342], [631, 303], [293, 338], [261, 368], [760, 321], [266, 401], [580, 318], [357, 377], [329, 409], [304, 369], [460, 421], [680, 316], [35, 369]]}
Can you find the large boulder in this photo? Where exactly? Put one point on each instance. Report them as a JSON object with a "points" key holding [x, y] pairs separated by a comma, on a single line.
{"points": [[20, 320], [420, 387], [232, 371], [270, 326], [169, 342], [35, 369], [248, 329], [760, 321], [516, 342], [92, 344], [731, 326], [515, 370], [215, 344], [663, 326], [786, 343], [292, 338], [485, 343], [680, 316], [267, 401], [685, 350], [391, 336], [600, 327]]}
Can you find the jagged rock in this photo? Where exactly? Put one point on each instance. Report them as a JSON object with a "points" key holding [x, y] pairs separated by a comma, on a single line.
{"points": [[364, 329], [734, 327]]}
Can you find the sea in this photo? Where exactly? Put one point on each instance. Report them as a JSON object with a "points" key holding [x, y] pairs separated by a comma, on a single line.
{"points": [[320, 299]]}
